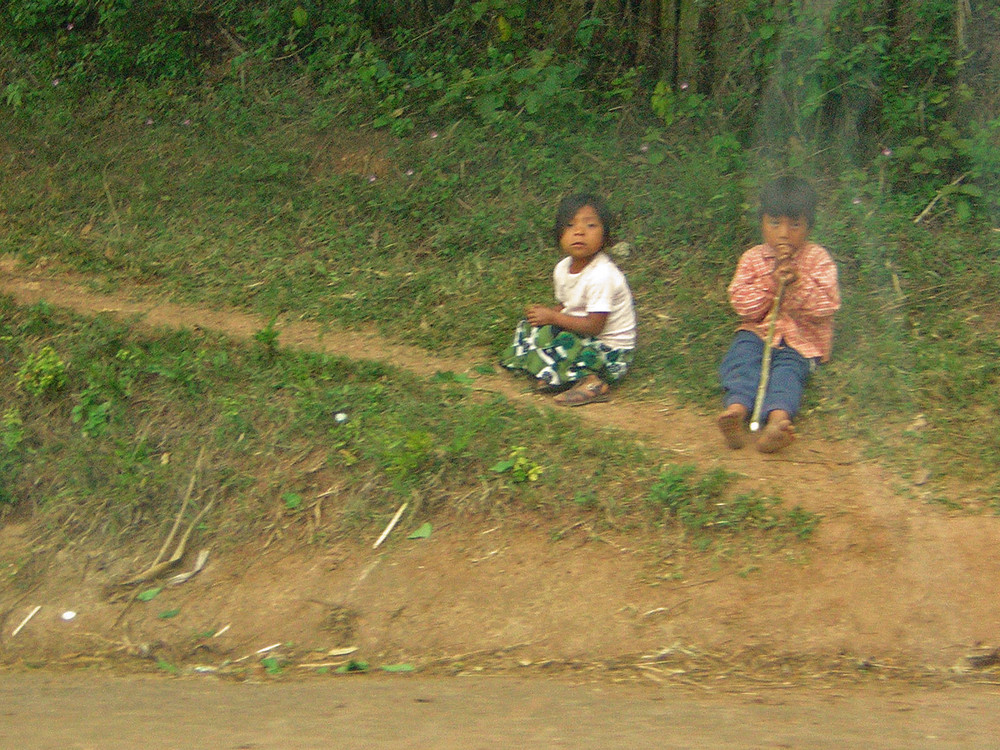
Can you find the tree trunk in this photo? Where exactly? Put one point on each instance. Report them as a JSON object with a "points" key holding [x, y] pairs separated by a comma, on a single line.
{"points": [[679, 38]]}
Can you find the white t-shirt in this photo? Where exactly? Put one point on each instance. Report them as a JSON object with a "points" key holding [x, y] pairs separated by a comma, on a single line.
{"points": [[598, 288]]}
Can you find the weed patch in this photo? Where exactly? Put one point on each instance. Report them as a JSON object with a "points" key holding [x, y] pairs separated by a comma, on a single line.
{"points": [[703, 506], [283, 433]]}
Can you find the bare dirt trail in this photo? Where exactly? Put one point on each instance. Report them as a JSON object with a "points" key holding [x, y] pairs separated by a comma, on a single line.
{"points": [[888, 581], [91, 711]]}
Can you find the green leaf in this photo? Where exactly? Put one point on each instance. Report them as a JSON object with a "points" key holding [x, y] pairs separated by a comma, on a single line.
{"points": [[963, 210], [487, 105], [168, 613], [352, 666], [421, 533], [166, 666], [398, 668], [502, 466], [930, 154], [271, 665], [504, 28], [293, 500], [148, 594], [533, 101], [585, 31]]}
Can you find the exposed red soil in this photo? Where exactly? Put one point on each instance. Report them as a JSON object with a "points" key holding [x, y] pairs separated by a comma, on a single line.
{"points": [[888, 582]]}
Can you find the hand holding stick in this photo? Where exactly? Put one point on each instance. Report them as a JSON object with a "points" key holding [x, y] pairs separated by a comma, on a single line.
{"points": [[765, 364]]}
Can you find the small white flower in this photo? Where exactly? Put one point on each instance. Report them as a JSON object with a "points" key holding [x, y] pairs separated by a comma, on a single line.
{"points": [[340, 417]]}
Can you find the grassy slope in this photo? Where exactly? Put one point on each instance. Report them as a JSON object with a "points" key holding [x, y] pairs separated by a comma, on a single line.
{"points": [[441, 237], [104, 424]]}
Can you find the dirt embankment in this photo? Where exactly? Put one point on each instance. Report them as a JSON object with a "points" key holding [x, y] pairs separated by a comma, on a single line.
{"points": [[887, 583]]}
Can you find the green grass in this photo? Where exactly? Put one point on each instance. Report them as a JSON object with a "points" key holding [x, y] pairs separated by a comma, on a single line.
{"points": [[110, 447], [703, 506], [441, 237]]}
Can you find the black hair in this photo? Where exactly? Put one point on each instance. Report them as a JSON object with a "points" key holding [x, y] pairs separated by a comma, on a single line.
{"points": [[789, 196], [573, 203]]}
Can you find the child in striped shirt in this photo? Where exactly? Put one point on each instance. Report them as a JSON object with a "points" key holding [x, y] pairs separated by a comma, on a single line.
{"points": [[803, 331]]}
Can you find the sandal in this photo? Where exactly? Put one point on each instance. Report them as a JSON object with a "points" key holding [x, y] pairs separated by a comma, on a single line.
{"points": [[585, 393], [543, 386]]}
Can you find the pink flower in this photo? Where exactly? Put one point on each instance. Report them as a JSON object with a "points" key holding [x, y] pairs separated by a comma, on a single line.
{"points": [[70, 26], [186, 122], [409, 173], [149, 120], [644, 147], [856, 201], [887, 151], [684, 85], [434, 134], [56, 82], [372, 178]]}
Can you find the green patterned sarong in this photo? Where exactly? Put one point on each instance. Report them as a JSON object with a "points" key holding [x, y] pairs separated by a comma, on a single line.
{"points": [[560, 357]]}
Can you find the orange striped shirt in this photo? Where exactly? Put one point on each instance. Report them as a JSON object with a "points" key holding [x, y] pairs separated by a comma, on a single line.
{"points": [[805, 320]]}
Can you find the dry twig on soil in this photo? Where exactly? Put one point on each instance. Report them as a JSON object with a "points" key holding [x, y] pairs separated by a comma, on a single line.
{"points": [[391, 526], [159, 568]]}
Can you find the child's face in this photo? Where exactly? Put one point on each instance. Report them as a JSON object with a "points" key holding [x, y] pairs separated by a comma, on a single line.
{"points": [[583, 237], [786, 234]]}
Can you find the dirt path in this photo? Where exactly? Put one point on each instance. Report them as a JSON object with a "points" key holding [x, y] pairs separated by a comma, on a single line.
{"points": [[85, 711], [889, 581]]}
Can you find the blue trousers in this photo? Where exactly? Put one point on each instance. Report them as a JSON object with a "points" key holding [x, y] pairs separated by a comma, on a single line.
{"points": [[739, 374]]}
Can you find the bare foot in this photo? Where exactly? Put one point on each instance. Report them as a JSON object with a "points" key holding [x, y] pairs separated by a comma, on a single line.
{"points": [[778, 433], [732, 425]]}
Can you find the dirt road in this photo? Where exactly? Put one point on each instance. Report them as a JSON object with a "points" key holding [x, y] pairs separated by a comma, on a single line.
{"points": [[95, 711]]}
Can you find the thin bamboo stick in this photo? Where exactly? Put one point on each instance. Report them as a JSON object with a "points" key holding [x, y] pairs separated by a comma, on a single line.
{"points": [[765, 364]]}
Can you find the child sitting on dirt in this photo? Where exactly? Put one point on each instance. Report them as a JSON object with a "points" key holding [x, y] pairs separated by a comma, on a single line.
{"points": [[587, 340], [803, 331]]}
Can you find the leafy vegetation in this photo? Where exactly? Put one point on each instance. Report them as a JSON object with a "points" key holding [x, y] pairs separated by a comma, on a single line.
{"points": [[913, 78], [282, 433], [703, 506]]}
